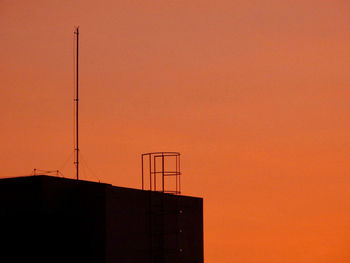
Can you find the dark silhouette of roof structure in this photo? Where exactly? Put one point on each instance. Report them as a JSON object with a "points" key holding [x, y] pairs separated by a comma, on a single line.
{"points": [[53, 219]]}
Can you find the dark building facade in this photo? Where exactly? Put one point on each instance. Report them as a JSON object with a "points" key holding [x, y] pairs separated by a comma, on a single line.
{"points": [[53, 219]]}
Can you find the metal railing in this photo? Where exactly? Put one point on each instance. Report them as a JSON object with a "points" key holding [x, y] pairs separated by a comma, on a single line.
{"points": [[163, 165]]}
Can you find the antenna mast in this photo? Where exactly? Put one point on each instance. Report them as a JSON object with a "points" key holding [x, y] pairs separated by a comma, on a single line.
{"points": [[76, 100]]}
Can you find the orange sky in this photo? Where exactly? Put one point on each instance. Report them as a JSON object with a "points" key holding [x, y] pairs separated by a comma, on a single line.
{"points": [[254, 94]]}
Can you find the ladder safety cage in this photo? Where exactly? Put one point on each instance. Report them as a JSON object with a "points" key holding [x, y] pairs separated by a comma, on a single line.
{"points": [[164, 165]]}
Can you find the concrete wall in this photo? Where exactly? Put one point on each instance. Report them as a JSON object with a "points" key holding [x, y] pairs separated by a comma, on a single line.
{"points": [[51, 219], [48, 219]]}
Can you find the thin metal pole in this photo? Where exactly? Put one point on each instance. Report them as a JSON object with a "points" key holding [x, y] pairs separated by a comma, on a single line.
{"points": [[155, 172], [176, 174], [179, 176], [77, 106], [163, 171], [150, 173], [142, 169]]}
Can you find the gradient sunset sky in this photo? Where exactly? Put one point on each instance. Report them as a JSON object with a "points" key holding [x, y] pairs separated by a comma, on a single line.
{"points": [[254, 94]]}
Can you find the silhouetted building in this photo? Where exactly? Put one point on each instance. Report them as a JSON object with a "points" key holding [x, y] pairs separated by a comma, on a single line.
{"points": [[53, 219]]}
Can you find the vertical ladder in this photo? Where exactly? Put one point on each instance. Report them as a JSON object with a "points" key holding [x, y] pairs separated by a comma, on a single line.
{"points": [[163, 241]]}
